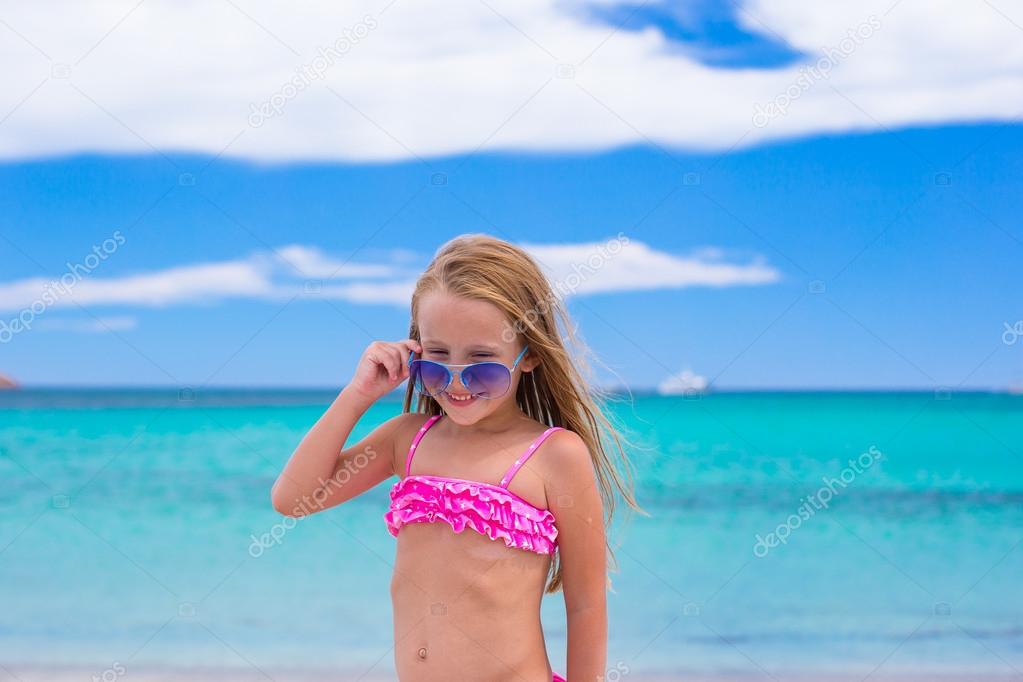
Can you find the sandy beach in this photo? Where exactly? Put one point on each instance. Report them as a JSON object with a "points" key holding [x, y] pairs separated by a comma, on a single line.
{"points": [[147, 674]]}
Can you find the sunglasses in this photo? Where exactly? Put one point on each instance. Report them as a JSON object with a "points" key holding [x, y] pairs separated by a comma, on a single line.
{"points": [[486, 380]]}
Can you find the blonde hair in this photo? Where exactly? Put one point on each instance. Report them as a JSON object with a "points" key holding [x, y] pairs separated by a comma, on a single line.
{"points": [[485, 268]]}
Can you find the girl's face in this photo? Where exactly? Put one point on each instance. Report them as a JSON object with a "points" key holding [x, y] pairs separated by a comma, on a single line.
{"points": [[460, 331]]}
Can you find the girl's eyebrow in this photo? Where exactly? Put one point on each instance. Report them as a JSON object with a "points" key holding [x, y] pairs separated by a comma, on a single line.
{"points": [[471, 346], [486, 347]]}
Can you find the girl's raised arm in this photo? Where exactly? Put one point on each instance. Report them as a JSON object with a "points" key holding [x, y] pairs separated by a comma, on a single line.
{"points": [[322, 473]]}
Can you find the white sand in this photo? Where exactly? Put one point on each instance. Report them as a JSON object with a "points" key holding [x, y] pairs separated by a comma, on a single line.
{"points": [[67, 674]]}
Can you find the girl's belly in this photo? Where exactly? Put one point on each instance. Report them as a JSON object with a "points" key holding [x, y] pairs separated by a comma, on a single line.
{"points": [[466, 607]]}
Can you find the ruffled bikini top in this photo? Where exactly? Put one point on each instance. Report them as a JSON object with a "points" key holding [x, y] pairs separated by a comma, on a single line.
{"points": [[488, 509]]}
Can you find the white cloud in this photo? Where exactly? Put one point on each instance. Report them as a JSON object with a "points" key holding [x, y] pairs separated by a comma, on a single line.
{"points": [[630, 265], [393, 293], [577, 269], [429, 79], [185, 284], [685, 382], [310, 262], [262, 275]]}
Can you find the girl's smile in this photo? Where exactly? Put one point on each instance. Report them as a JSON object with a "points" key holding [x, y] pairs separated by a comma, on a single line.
{"points": [[459, 400]]}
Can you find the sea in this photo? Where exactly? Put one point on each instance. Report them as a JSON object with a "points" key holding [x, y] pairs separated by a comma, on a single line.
{"points": [[780, 531]]}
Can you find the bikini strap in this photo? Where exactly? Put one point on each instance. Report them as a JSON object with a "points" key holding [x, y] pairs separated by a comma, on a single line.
{"points": [[415, 441], [526, 455]]}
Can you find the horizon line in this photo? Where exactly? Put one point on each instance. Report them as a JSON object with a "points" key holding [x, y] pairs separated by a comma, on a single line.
{"points": [[645, 391]]}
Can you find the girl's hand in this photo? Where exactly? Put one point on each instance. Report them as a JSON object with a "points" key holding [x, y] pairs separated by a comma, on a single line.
{"points": [[383, 365]]}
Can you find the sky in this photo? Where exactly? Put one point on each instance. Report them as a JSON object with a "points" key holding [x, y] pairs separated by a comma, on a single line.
{"points": [[760, 195]]}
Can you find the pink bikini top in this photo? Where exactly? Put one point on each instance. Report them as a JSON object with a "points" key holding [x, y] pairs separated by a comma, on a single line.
{"points": [[488, 509]]}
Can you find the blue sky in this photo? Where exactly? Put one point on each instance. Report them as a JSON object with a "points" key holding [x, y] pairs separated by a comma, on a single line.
{"points": [[710, 31], [858, 239]]}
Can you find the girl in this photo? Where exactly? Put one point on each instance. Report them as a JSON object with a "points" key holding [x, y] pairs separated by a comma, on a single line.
{"points": [[505, 485]]}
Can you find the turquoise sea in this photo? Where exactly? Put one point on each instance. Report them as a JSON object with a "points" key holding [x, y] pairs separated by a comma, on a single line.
{"points": [[786, 531]]}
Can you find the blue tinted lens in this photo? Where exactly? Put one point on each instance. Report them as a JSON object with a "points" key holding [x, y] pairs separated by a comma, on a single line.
{"points": [[487, 379], [429, 377]]}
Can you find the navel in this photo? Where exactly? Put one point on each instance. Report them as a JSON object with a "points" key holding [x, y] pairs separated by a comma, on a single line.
{"points": [[422, 653]]}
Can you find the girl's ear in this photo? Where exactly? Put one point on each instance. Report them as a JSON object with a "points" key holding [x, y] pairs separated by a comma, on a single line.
{"points": [[529, 362]]}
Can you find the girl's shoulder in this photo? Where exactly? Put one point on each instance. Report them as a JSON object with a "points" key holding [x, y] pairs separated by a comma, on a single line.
{"points": [[405, 426], [560, 433], [564, 463], [401, 430], [563, 450]]}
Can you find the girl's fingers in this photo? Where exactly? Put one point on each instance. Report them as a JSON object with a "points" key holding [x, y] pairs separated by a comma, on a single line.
{"points": [[407, 346], [401, 350], [384, 357], [393, 357], [396, 363], [404, 347]]}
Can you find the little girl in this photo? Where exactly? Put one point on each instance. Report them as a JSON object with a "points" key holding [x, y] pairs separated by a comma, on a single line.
{"points": [[505, 485]]}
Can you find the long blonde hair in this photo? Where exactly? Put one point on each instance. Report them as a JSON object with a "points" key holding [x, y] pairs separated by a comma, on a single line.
{"points": [[556, 393]]}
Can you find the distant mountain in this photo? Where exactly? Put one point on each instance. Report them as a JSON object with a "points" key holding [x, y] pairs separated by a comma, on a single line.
{"points": [[7, 382]]}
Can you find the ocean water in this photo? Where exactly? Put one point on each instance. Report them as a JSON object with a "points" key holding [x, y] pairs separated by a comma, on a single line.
{"points": [[817, 532]]}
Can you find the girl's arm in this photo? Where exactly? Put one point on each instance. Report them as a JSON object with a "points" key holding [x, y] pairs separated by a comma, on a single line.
{"points": [[573, 497], [322, 473]]}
